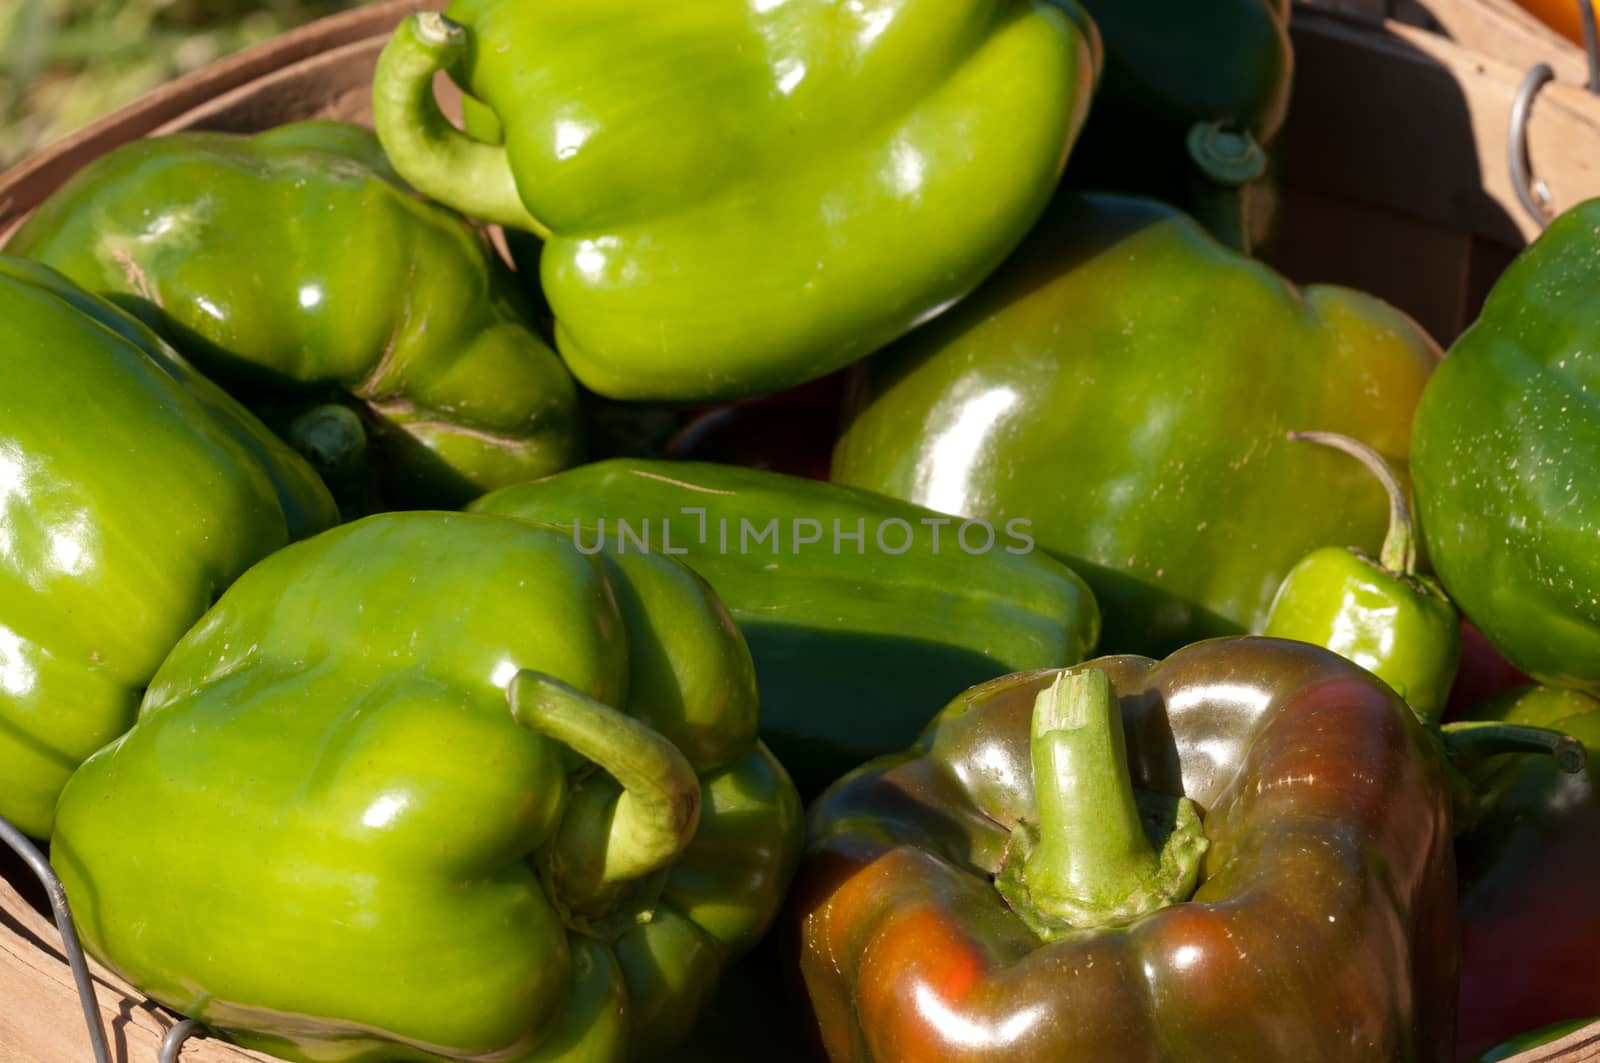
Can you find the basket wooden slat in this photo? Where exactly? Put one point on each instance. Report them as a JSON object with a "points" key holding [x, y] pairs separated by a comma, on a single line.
{"points": [[1502, 29], [1499, 28], [1395, 167], [332, 84], [1581, 1046], [41, 1020]]}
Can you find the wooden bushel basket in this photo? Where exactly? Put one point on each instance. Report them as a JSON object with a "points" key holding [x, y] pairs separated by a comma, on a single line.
{"points": [[1394, 180]]}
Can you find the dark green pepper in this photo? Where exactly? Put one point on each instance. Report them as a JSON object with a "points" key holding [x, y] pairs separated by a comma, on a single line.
{"points": [[1508, 488], [1378, 612], [1127, 384], [860, 610], [1193, 97], [294, 268], [738, 196], [438, 787], [132, 492]]}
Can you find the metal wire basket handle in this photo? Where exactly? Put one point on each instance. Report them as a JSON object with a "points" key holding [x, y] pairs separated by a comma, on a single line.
{"points": [[1531, 190], [19, 843], [30, 854]]}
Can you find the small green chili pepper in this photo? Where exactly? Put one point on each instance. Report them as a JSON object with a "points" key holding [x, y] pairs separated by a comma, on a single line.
{"points": [[1378, 612]]}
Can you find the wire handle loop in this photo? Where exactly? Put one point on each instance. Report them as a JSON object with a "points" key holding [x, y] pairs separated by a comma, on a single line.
{"points": [[1591, 43], [172, 1044], [1531, 190]]}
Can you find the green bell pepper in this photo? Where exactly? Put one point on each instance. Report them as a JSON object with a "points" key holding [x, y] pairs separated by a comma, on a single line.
{"points": [[294, 268], [1508, 489], [1378, 612], [330, 837], [860, 610], [1193, 97], [132, 492], [737, 197], [1127, 384]]}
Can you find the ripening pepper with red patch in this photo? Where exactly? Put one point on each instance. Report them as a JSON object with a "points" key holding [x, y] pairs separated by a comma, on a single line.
{"points": [[1279, 886]]}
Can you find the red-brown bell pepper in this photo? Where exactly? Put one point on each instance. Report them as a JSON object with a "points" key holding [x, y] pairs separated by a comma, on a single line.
{"points": [[1323, 926]]}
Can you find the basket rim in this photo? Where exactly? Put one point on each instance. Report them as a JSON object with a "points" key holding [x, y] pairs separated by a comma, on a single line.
{"points": [[44, 169]]}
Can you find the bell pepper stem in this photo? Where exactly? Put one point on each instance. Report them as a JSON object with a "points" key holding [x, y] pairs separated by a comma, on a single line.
{"points": [[654, 817], [1225, 155], [1090, 860], [1091, 839], [1475, 740], [1399, 553], [331, 438], [426, 149]]}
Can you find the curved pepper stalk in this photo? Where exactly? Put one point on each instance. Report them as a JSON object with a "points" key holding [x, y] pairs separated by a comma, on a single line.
{"points": [[438, 159], [1380, 613], [1475, 740], [610, 838]]}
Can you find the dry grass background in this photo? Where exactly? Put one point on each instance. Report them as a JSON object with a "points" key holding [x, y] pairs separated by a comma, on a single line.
{"points": [[64, 63]]}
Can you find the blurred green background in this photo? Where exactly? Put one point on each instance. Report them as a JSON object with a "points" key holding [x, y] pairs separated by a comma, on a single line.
{"points": [[64, 63]]}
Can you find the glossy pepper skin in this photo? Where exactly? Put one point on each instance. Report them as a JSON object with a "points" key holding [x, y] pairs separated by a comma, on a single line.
{"points": [[852, 640], [329, 837], [118, 535], [1529, 864], [297, 270], [1322, 928], [1128, 385], [1379, 612], [1402, 630], [1206, 112], [738, 197], [1505, 441]]}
